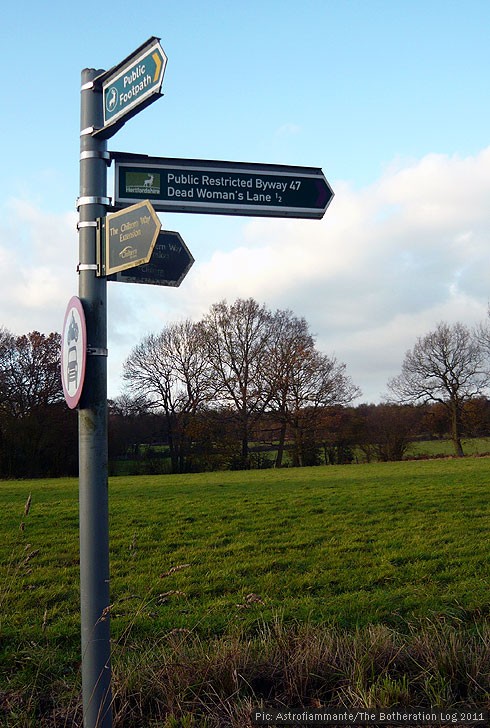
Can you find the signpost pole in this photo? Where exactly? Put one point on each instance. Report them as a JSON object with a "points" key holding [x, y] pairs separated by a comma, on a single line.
{"points": [[108, 99], [93, 473]]}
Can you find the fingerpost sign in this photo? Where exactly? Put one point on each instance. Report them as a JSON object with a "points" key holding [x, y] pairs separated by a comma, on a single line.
{"points": [[169, 264], [131, 85], [221, 188], [130, 236], [127, 247]]}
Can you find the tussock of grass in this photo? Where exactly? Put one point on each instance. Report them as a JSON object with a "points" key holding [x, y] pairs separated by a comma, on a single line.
{"points": [[217, 682], [185, 680]]}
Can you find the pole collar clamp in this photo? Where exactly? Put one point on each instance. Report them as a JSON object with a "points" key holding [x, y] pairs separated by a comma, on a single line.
{"points": [[95, 155], [88, 131], [93, 201]]}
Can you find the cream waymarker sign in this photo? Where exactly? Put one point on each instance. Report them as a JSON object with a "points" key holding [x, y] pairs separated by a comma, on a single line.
{"points": [[130, 236]]}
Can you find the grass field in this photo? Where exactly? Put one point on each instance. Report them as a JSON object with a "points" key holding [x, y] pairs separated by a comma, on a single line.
{"points": [[391, 552], [445, 447]]}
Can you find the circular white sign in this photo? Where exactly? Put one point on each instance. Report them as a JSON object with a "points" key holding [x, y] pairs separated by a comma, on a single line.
{"points": [[73, 352]]}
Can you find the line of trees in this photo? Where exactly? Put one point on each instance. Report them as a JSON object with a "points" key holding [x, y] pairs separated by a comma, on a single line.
{"points": [[240, 388], [341, 435], [244, 370], [238, 363]]}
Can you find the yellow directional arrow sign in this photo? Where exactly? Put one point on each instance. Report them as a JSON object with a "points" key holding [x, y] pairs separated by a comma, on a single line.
{"points": [[130, 236], [158, 66]]}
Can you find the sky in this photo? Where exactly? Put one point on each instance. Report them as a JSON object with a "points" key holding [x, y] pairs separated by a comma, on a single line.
{"points": [[390, 99]]}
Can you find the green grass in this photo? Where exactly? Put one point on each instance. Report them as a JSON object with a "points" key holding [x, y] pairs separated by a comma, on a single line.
{"points": [[351, 545], [445, 447], [227, 554]]}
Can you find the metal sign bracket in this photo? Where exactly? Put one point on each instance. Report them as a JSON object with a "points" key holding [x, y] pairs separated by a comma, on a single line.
{"points": [[96, 351]]}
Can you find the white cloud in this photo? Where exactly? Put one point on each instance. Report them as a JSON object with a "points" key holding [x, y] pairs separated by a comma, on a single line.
{"points": [[384, 266], [38, 257]]}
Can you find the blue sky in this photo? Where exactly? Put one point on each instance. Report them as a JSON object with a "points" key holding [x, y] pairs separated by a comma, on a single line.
{"points": [[389, 98]]}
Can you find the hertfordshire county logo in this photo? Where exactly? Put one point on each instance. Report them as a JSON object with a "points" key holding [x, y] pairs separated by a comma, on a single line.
{"points": [[147, 183]]}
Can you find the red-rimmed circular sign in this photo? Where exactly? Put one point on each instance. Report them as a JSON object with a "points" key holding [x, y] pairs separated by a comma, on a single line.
{"points": [[73, 352]]}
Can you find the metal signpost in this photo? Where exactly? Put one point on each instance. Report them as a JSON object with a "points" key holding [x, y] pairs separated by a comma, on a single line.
{"points": [[223, 188], [169, 264], [92, 420], [127, 246]]}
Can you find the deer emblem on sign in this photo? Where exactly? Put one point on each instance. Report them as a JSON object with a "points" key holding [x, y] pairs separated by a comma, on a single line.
{"points": [[112, 100], [149, 181]]}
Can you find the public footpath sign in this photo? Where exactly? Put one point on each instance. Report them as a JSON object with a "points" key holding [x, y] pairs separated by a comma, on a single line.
{"points": [[130, 236], [223, 188], [134, 83], [73, 352], [169, 264]]}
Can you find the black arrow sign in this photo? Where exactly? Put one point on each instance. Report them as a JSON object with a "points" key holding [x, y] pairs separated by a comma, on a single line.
{"points": [[224, 188], [169, 264]]}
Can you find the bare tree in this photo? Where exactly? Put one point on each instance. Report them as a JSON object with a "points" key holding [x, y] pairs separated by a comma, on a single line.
{"points": [[317, 381], [7, 344], [30, 367], [237, 341], [483, 335], [5, 338], [244, 361], [32, 414], [446, 366], [302, 381], [289, 343], [170, 371]]}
